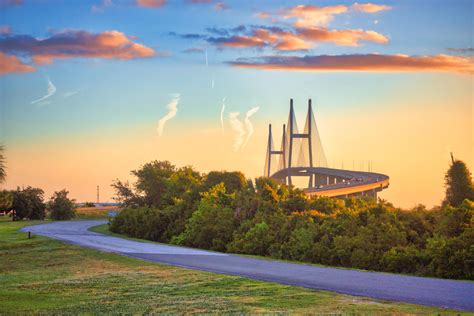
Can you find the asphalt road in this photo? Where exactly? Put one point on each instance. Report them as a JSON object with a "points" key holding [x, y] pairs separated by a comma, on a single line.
{"points": [[416, 290]]}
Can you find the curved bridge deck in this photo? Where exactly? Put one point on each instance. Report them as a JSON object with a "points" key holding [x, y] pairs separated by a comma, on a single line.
{"points": [[337, 182]]}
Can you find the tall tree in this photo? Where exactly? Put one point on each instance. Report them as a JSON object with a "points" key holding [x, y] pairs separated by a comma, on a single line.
{"points": [[3, 173], [458, 184]]}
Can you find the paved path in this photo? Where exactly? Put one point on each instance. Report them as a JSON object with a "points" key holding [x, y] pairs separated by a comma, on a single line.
{"points": [[424, 291]]}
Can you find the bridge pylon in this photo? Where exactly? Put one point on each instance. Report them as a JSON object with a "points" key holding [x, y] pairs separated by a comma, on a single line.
{"points": [[296, 148]]}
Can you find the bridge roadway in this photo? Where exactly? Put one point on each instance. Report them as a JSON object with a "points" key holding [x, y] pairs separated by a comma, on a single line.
{"points": [[386, 286], [349, 182]]}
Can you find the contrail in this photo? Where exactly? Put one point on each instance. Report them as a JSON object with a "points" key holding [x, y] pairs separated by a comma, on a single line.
{"points": [[172, 110], [212, 83], [238, 128], [51, 91], [70, 94], [248, 124], [207, 64], [222, 114]]}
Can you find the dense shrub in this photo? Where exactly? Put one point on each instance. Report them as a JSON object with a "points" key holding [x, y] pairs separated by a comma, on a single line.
{"points": [[221, 211]]}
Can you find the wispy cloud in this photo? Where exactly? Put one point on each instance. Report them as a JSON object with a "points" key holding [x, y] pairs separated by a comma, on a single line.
{"points": [[96, 8], [248, 123], [222, 114], [238, 127], [193, 50], [50, 92], [70, 93], [462, 51], [172, 110], [243, 130], [359, 62]]}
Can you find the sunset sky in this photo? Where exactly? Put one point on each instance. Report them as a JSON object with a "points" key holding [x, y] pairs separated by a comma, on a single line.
{"points": [[90, 90]]}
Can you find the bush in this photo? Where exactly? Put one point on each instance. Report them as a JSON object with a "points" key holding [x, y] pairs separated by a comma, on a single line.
{"points": [[221, 211]]}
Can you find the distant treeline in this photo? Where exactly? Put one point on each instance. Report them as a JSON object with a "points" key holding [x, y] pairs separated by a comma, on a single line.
{"points": [[225, 212]]}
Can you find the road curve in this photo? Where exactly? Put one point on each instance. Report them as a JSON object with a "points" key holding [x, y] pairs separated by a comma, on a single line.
{"points": [[416, 290]]}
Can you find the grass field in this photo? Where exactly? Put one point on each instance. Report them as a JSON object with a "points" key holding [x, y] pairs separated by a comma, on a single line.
{"points": [[95, 212], [41, 275]]}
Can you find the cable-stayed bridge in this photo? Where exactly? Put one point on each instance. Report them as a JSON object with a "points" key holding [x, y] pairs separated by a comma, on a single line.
{"points": [[302, 155]]}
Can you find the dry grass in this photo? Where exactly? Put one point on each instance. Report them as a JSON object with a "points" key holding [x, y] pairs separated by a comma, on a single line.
{"points": [[95, 212]]}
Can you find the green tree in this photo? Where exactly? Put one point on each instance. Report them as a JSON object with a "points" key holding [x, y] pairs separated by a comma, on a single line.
{"points": [[28, 203], [233, 181], [153, 181], [125, 195], [6, 200], [211, 226], [159, 184], [459, 184], [256, 241], [3, 172], [61, 207]]}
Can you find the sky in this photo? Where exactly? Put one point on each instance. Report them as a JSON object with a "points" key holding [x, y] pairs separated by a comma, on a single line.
{"points": [[90, 90]]}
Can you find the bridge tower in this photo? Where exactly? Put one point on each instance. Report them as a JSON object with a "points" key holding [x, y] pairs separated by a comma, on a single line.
{"points": [[297, 149], [271, 151]]}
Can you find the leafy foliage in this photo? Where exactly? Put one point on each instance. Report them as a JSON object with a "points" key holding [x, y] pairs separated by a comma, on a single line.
{"points": [[6, 200], [224, 212], [61, 207], [28, 203], [459, 184]]}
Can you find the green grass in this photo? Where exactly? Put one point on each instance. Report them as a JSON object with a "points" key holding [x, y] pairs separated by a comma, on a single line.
{"points": [[41, 275]]}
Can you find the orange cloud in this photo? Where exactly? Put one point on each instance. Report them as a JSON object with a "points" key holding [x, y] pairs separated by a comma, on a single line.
{"points": [[368, 63], [369, 7], [310, 16], [303, 39], [341, 37], [74, 44], [150, 3], [11, 64], [240, 42]]}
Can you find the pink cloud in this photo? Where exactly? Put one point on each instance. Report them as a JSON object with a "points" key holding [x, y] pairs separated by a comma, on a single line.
{"points": [[150, 3], [12, 64], [365, 63], [76, 44], [369, 7]]}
